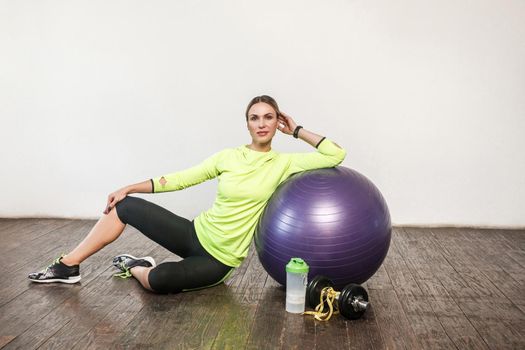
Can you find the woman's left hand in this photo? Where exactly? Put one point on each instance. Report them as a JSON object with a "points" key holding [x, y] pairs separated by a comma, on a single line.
{"points": [[286, 124]]}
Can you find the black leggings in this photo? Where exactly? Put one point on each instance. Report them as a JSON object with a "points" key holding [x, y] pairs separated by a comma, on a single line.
{"points": [[197, 270]]}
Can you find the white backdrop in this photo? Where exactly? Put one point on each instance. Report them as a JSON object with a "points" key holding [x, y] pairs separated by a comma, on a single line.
{"points": [[427, 97]]}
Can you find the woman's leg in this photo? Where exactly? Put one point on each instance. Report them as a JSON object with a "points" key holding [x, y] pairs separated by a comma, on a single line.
{"points": [[194, 272], [171, 231], [66, 269], [162, 226], [152, 220], [177, 234], [106, 230]]}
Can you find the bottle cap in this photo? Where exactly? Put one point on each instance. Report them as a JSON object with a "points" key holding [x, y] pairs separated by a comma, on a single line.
{"points": [[297, 265]]}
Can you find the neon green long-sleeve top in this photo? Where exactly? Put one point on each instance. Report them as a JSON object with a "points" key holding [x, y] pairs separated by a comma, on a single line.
{"points": [[246, 181]]}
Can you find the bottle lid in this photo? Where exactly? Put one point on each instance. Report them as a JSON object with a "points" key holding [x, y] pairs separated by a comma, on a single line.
{"points": [[297, 265]]}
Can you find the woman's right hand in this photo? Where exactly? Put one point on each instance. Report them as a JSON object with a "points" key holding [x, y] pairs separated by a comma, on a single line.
{"points": [[114, 198]]}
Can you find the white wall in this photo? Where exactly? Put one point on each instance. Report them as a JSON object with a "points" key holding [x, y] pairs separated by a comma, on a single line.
{"points": [[426, 96]]}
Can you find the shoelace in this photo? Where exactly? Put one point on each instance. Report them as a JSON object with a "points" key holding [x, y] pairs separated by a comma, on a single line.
{"points": [[56, 261], [124, 274]]}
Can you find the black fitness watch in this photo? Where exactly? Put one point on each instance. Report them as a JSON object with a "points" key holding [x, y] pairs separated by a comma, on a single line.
{"points": [[296, 131]]}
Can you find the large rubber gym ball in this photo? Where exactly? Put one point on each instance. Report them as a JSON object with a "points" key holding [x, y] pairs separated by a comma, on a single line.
{"points": [[333, 218]]}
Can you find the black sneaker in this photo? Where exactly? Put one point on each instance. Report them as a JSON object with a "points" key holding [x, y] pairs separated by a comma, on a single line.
{"points": [[57, 272], [124, 262]]}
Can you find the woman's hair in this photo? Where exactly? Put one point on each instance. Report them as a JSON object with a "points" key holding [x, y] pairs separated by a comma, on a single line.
{"points": [[263, 98]]}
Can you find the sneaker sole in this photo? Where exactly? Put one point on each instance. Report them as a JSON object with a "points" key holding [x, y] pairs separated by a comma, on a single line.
{"points": [[147, 258], [68, 281]]}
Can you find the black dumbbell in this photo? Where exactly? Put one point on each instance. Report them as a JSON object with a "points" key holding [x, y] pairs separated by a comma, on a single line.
{"points": [[352, 301]]}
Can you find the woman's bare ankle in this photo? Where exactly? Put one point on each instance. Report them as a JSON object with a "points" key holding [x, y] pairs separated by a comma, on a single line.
{"points": [[141, 273], [67, 260]]}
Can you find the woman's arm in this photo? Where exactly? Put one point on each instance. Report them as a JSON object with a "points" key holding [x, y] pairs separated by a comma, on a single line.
{"points": [[309, 137], [328, 154], [171, 182], [287, 125], [140, 187], [118, 195]]}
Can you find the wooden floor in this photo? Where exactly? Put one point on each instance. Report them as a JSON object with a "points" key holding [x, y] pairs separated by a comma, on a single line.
{"points": [[438, 289]]}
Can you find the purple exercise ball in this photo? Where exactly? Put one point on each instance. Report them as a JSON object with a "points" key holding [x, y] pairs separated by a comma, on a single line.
{"points": [[333, 218]]}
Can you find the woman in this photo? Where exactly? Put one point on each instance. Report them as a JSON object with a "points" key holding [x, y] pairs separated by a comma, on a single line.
{"points": [[217, 240]]}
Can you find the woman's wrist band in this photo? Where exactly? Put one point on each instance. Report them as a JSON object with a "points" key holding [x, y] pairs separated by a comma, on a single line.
{"points": [[296, 131]]}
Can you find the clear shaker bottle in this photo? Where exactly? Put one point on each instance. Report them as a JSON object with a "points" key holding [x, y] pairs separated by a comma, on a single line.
{"points": [[296, 281]]}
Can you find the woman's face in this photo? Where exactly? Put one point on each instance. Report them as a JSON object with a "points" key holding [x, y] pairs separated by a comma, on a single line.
{"points": [[262, 122]]}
